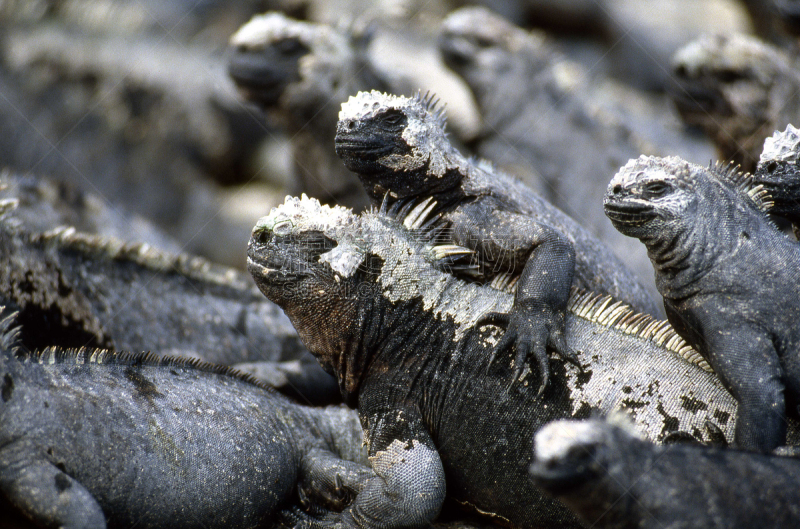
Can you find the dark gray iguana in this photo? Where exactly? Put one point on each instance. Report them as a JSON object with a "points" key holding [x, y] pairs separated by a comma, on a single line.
{"points": [[738, 89], [301, 72], [398, 148], [613, 479], [90, 438], [730, 280], [367, 299]]}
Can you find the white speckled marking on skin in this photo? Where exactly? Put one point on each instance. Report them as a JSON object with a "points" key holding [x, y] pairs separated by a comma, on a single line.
{"points": [[424, 132], [782, 146]]}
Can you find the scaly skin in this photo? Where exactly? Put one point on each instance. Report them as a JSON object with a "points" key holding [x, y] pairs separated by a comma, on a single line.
{"points": [[367, 298], [90, 438], [397, 145], [538, 110], [778, 172], [613, 479], [738, 89], [729, 278], [301, 72]]}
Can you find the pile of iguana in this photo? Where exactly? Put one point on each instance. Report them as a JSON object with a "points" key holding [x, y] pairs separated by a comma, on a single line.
{"points": [[399, 149], [729, 278], [76, 289], [91, 437], [367, 297]]}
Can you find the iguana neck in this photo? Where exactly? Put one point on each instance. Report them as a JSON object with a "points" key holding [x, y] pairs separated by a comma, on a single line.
{"points": [[682, 260]]}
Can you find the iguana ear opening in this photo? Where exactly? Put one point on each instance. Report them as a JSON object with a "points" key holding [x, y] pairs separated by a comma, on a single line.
{"points": [[344, 259]]}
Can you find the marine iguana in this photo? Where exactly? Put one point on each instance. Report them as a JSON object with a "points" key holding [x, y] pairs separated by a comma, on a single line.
{"points": [[738, 89], [777, 172], [730, 280], [90, 438], [300, 72], [398, 148], [538, 111], [366, 297], [612, 478]]}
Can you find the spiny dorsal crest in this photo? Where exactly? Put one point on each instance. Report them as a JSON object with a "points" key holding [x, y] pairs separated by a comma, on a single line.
{"points": [[367, 105], [733, 176], [85, 356], [782, 147], [653, 167], [605, 310], [142, 254]]}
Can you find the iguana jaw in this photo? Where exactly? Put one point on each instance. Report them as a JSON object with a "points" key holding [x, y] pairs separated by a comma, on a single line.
{"points": [[263, 75], [628, 213]]}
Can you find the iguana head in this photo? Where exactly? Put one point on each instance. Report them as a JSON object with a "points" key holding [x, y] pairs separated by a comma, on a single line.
{"points": [[735, 88], [681, 210], [396, 143], [650, 196], [277, 61], [487, 51], [334, 272], [570, 453], [778, 170]]}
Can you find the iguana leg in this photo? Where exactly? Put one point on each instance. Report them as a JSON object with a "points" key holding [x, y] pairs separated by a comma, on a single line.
{"points": [[44, 493], [329, 481], [748, 365], [537, 319], [408, 487]]}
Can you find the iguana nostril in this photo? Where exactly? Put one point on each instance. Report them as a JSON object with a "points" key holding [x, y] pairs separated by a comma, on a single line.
{"points": [[351, 125], [771, 166], [617, 189], [261, 236]]}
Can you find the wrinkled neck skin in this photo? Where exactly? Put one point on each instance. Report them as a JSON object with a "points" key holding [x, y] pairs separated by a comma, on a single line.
{"points": [[686, 254], [339, 335]]}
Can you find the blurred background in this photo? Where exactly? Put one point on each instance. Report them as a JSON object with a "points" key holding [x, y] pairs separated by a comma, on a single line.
{"points": [[130, 109]]}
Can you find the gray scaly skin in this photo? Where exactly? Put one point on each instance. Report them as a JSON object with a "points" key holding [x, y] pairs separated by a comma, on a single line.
{"points": [[301, 72], [367, 298], [537, 115], [738, 89], [90, 438], [398, 147], [613, 479], [75, 289], [729, 279], [778, 173]]}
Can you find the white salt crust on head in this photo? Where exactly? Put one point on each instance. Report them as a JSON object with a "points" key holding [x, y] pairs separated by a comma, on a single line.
{"points": [[782, 146], [643, 167]]}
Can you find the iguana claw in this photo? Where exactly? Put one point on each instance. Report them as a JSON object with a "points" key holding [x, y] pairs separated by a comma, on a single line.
{"points": [[529, 339]]}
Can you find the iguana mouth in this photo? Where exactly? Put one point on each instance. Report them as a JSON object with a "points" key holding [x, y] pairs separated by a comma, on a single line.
{"points": [[361, 147], [277, 274], [629, 214]]}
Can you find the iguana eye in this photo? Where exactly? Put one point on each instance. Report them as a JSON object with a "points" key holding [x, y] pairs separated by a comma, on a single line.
{"points": [[392, 119], [283, 228], [655, 189]]}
